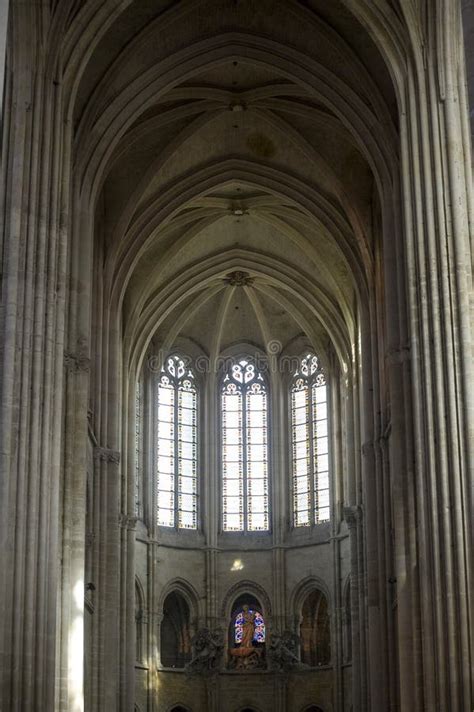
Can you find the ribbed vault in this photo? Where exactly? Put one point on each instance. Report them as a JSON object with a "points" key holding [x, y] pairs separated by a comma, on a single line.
{"points": [[216, 173], [274, 145]]}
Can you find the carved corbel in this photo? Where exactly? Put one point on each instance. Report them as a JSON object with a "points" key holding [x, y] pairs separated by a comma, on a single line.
{"points": [[105, 454], [399, 355], [76, 363], [127, 522], [353, 516]]}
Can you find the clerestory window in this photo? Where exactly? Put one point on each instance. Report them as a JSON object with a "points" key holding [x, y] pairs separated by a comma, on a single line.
{"points": [[244, 455], [309, 436], [176, 445]]}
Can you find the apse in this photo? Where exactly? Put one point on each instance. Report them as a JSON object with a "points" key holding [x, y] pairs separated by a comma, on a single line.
{"points": [[236, 356]]}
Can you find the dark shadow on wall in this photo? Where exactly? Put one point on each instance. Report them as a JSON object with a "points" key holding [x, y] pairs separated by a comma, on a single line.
{"points": [[175, 632]]}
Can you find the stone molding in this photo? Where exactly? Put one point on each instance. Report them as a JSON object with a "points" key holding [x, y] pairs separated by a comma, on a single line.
{"points": [[353, 515], [238, 279], [104, 454], [76, 363], [128, 522], [400, 355]]}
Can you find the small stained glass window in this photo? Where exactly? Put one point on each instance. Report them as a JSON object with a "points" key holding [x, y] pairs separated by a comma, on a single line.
{"points": [[310, 448], [257, 622], [244, 448], [176, 405]]}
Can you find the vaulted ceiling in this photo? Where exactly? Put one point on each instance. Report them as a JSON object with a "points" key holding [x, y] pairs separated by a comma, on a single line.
{"points": [[236, 136]]}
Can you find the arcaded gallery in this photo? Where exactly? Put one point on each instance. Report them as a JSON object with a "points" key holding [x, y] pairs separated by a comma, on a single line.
{"points": [[236, 340]]}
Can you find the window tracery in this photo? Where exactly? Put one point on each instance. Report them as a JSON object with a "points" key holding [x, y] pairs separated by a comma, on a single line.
{"points": [[176, 405], [309, 436], [244, 448]]}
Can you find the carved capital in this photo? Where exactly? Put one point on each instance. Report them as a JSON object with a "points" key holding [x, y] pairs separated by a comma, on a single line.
{"points": [[76, 363], [127, 522], [105, 454], [399, 355], [353, 516]]}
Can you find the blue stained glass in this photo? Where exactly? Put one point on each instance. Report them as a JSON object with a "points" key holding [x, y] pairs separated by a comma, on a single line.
{"points": [[259, 623]]}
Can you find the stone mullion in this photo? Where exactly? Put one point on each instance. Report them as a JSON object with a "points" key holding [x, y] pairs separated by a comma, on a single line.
{"points": [[278, 494], [211, 488]]}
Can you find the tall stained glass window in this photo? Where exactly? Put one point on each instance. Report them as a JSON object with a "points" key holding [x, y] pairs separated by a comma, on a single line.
{"points": [[244, 448], [176, 397], [309, 435]]}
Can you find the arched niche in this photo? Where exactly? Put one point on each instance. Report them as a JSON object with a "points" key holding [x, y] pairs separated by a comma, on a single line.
{"points": [[246, 587], [175, 632], [246, 634], [315, 630]]}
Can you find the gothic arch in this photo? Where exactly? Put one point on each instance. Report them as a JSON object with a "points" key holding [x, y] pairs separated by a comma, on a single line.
{"points": [[133, 101], [240, 588], [305, 587], [188, 592], [193, 280], [166, 205]]}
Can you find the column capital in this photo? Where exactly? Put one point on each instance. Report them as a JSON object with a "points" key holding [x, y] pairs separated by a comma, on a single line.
{"points": [[105, 454], [76, 362], [127, 522], [398, 355], [353, 515]]}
